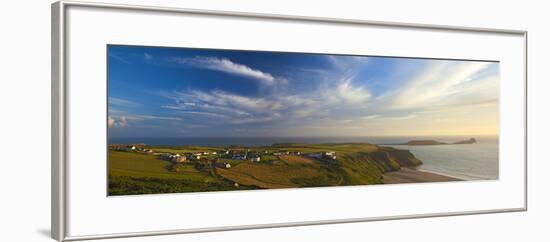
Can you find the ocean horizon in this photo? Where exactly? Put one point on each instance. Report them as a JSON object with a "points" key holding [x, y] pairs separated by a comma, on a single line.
{"points": [[265, 141]]}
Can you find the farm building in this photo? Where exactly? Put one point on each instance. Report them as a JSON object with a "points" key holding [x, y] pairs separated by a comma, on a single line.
{"points": [[134, 147], [330, 155], [178, 158]]}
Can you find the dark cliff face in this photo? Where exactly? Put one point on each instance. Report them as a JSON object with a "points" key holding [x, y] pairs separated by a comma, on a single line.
{"points": [[371, 165], [383, 160], [389, 159], [402, 157]]}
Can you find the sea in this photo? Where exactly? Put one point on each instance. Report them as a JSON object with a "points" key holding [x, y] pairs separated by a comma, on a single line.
{"points": [[477, 161]]}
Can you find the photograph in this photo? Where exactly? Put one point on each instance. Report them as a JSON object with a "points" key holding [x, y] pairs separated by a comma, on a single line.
{"points": [[183, 120]]}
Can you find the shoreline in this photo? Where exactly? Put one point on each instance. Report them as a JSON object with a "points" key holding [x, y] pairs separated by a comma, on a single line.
{"points": [[410, 175]]}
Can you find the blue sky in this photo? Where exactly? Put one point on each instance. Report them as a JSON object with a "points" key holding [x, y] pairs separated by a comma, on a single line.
{"points": [[181, 92]]}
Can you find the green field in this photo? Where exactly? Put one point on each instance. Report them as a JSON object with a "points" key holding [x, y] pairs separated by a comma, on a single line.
{"points": [[133, 172]]}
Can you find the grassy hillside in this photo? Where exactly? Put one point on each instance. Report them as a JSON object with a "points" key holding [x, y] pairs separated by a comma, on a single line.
{"points": [[135, 173], [132, 172]]}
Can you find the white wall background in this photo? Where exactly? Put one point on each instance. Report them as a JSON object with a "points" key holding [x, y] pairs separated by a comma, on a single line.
{"points": [[25, 120]]}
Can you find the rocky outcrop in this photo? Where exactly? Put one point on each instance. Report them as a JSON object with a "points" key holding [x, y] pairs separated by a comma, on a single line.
{"points": [[435, 142], [463, 142]]}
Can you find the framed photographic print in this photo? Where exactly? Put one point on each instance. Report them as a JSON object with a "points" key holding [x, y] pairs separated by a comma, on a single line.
{"points": [[208, 121]]}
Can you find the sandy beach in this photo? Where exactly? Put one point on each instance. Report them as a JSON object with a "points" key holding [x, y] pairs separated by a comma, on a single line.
{"points": [[408, 175]]}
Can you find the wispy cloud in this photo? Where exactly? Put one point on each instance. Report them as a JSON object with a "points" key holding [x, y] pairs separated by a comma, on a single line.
{"points": [[143, 117], [117, 120], [122, 102], [405, 117], [351, 94], [118, 58], [226, 107], [228, 66], [442, 83], [368, 117], [346, 64]]}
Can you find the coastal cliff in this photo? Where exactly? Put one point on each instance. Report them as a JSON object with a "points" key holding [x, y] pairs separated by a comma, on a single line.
{"points": [[274, 166]]}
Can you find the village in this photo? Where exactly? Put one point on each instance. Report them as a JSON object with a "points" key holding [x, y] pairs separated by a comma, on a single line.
{"points": [[223, 158]]}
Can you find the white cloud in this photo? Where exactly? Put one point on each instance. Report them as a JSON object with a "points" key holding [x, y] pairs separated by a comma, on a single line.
{"points": [[368, 117], [118, 122], [122, 120], [110, 121], [228, 66], [352, 95], [405, 117]]}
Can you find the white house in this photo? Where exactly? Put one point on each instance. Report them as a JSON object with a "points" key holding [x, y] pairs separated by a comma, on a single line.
{"points": [[255, 159], [330, 154], [178, 158]]}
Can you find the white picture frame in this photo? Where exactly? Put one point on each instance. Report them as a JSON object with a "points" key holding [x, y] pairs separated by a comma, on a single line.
{"points": [[78, 83]]}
